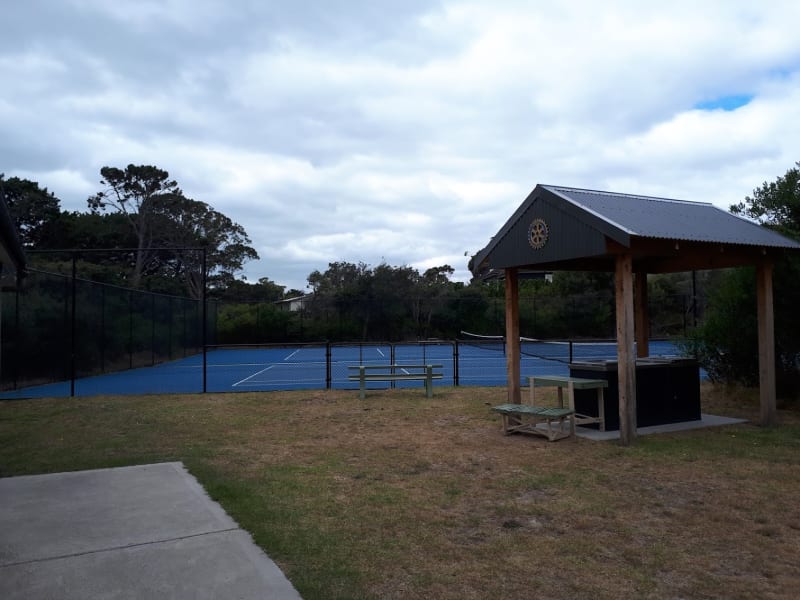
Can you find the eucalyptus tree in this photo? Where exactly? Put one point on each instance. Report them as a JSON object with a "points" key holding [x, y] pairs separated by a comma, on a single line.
{"points": [[162, 217]]}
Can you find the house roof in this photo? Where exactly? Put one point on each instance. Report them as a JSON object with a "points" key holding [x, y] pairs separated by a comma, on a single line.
{"points": [[566, 228]]}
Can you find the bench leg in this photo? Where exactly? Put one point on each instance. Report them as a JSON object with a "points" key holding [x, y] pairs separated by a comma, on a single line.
{"points": [[362, 389], [511, 424]]}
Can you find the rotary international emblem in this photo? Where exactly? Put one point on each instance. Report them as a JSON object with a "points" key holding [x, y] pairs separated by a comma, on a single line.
{"points": [[538, 232]]}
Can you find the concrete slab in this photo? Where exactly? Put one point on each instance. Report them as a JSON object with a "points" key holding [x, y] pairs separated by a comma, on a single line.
{"points": [[148, 531], [705, 421]]}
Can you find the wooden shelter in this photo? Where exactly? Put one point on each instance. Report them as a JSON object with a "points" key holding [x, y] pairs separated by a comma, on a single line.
{"points": [[566, 229], [12, 256]]}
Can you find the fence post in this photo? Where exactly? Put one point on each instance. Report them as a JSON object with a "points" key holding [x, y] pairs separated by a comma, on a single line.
{"points": [[73, 341], [392, 384], [152, 330], [184, 338], [455, 362], [205, 325], [328, 377], [130, 329], [17, 345], [169, 328], [102, 329]]}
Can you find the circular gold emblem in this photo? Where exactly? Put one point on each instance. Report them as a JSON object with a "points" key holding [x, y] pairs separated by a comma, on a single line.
{"points": [[538, 232]]}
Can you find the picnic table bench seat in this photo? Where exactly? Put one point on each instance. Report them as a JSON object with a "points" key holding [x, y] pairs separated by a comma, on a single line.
{"points": [[524, 418], [530, 418], [571, 384], [426, 373]]}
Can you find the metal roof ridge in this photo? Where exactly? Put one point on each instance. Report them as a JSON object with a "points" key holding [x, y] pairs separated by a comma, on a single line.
{"points": [[589, 210], [553, 188]]}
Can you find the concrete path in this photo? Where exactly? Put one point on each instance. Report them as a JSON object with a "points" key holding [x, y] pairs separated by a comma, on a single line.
{"points": [[148, 531]]}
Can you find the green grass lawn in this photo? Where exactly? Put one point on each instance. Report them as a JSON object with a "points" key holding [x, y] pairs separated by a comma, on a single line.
{"points": [[403, 497]]}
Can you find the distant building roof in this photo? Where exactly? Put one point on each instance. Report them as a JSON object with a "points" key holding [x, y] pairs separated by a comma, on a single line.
{"points": [[566, 228], [294, 303]]}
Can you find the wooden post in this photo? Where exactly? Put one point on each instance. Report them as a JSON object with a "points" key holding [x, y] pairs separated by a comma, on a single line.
{"points": [[512, 335], [641, 315], [626, 367], [766, 343]]}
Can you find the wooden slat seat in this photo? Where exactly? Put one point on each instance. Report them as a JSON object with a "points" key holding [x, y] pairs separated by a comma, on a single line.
{"points": [[390, 373], [524, 418], [571, 384]]}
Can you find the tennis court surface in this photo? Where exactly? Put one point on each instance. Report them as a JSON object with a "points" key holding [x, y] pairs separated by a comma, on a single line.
{"points": [[270, 368]]}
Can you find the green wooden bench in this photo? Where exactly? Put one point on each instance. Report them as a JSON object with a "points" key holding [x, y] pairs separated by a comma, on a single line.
{"points": [[524, 418], [527, 418], [367, 373], [571, 384]]}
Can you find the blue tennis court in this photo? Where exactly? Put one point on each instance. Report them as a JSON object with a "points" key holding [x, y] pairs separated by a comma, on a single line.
{"points": [[246, 369]]}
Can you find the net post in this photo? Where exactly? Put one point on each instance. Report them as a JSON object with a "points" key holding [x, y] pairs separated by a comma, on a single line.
{"points": [[570, 351]]}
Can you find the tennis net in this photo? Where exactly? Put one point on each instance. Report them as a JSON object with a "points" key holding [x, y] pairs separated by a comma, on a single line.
{"points": [[564, 351], [496, 343]]}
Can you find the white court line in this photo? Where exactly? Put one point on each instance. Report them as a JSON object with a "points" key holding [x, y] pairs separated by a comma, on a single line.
{"points": [[281, 382], [253, 375], [292, 354], [380, 352]]}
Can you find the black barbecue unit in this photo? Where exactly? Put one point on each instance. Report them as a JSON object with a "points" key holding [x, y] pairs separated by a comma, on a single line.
{"points": [[667, 390]]}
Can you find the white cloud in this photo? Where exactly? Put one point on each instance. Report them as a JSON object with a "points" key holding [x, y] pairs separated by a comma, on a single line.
{"points": [[399, 132]]}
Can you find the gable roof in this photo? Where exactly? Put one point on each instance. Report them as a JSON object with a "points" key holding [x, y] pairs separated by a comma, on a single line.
{"points": [[585, 229]]}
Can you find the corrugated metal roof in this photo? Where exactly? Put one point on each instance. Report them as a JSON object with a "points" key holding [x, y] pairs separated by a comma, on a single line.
{"points": [[582, 222], [665, 218]]}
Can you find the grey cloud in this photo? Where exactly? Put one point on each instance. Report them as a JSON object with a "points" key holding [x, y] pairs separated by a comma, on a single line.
{"points": [[326, 127]]}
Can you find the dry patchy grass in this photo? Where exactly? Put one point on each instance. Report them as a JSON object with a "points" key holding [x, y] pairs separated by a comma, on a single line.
{"points": [[403, 497]]}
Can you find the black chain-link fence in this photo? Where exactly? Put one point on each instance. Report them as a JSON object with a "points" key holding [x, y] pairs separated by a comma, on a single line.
{"points": [[56, 328], [63, 328]]}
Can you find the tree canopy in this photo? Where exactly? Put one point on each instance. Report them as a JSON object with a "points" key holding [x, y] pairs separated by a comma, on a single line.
{"points": [[140, 207], [776, 204], [33, 210], [726, 341], [161, 217]]}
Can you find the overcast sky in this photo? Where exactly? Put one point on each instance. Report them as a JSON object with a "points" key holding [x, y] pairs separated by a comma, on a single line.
{"points": [[405, 131]]}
